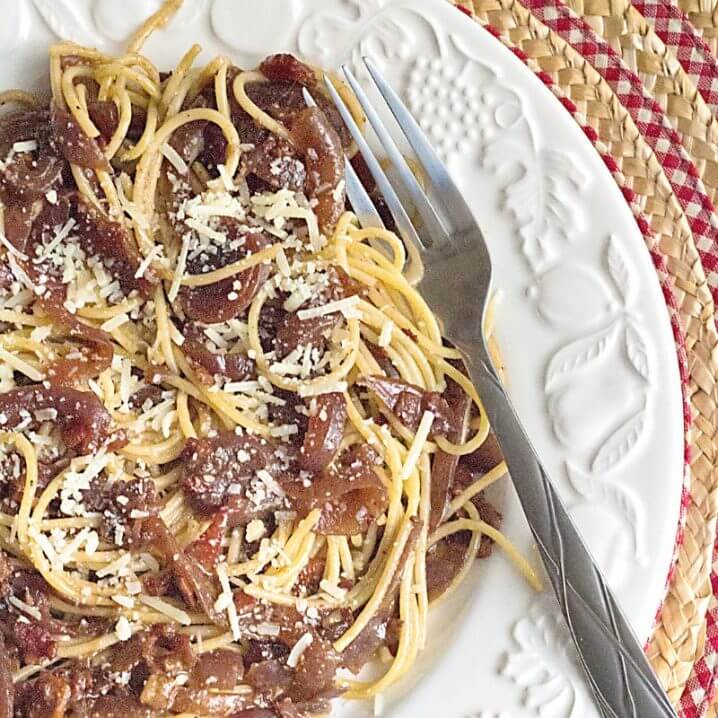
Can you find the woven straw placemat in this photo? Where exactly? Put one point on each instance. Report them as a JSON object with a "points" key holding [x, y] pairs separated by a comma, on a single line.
{"points": [[642, 79]]}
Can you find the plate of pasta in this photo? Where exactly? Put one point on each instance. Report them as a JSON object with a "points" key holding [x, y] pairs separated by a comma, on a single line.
{"points": [[237, 458]]}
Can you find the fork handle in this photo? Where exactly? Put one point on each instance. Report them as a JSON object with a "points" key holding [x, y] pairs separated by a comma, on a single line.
{"points": [[618, 672]]}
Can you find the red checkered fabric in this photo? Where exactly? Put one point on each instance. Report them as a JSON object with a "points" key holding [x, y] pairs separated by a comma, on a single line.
{"points": [[677, 32], [648, 116]]}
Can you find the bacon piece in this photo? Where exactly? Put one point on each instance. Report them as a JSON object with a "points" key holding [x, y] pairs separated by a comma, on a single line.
{"points": [[7, 693], [105, 117], [275, 162], [324, 433], [219, 670], [443, 465], [349, 493], [83, 420]]}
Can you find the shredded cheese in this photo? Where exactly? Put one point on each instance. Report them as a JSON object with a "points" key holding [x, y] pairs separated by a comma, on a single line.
{"points": [[422, 434], [174, 158], [298, 649], [179, 269], [176, 614], [231, 608], [346, 306]]}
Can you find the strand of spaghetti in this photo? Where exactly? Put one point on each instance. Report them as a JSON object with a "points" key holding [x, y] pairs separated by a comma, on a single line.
{"points": [[163, 330], [71, 100], [19, 97], [372, 606], [86, 189], [220, 89], [161, 453], [25, 448], [123, 98], [472, 551], [264, 256], [239, 87], [133, 77], [183, 416], [495, 535], [155, 22], [422, 542], [476, 488], [148, 133], [206, 75], [179, 74]]}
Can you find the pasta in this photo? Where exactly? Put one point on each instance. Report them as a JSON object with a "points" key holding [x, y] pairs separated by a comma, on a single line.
{"points": [[236, 453]]}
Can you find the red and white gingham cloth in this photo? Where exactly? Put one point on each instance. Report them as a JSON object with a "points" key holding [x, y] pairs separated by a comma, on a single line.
{"points": [[677, 32], [666, 143]]}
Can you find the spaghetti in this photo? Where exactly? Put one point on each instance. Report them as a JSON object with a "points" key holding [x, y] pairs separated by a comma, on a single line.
{"points": [[236, 455]]}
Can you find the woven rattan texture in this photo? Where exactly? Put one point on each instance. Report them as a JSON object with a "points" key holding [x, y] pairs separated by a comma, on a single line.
{"points": [[679, 639]]}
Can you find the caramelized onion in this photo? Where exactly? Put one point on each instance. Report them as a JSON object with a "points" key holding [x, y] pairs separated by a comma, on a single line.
{"points": [[85, 424], [408, 403], [324, 433], [234, 366], [318, 141], [73, 144], [349, 493]]}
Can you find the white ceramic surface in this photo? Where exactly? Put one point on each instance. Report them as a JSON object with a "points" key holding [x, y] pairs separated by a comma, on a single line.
{"points": [[582, 322]]}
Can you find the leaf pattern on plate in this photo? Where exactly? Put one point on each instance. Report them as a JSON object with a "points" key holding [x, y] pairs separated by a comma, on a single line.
{"points": [[620, 272], [637, 351], [545, 665], [63, 18], [620, 443], [614, 498], [578, 354]]}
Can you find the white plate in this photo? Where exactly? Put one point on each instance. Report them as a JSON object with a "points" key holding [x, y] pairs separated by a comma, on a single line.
{"points": [[582, 324]]}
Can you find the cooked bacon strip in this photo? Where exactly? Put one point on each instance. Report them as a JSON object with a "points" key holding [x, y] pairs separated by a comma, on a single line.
{"points": [[220, 670], [275, 162], [318, 141], [324, 433], [408, 403], [349, 493], [234, 366], [85, 424], [73, 144]]}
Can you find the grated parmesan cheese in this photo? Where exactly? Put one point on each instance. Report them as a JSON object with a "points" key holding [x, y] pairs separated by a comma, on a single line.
{"points": [[346, 306], [386, 333], [24, 146], [229, 599], [298, 649], [179, 269], [332, 589], [12, 248], [123, 629], [115, 322], [174, 158], [422, 434], [176, 614]]}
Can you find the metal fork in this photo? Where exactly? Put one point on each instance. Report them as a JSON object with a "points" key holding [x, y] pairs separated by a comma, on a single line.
{"points": [[457, 284]]}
